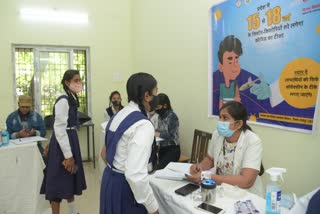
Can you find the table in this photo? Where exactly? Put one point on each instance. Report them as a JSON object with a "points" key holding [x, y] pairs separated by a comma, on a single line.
{"points": [[88, 125], [170, 202], [21, 174]]}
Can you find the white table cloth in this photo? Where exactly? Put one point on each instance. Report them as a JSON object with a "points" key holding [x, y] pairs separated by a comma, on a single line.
{"points": [[170, 202], [21, 174]]}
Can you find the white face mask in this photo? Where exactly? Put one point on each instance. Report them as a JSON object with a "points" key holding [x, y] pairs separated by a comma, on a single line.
{"points": [[223, 128], [75, 87]]}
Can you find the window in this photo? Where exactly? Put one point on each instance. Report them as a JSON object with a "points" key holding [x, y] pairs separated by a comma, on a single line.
{"points": [[38, 72]]}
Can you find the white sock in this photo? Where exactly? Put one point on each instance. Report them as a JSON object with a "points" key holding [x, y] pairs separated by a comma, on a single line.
{"points": [[72, 207]]}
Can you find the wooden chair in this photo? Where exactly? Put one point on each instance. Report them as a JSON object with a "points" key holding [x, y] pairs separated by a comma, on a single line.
{"points": [[199, 147]]}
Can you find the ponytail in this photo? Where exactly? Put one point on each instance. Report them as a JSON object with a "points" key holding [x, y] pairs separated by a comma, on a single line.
{"points": [[137, 85], [68, 75]]}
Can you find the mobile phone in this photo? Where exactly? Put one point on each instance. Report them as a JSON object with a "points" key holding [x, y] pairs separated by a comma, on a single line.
{"points": [[210, 208], [186, 189]]}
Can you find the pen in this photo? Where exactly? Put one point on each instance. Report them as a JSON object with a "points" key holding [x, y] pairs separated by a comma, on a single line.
{"points": [[197, 166]]}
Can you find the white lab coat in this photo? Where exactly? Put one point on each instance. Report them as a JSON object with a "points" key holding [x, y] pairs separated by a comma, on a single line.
{"points": [[248, 154]]}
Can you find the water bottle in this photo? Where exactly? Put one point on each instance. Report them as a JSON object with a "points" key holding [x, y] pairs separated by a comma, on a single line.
{"points": [[273, 193], [5, 136]]}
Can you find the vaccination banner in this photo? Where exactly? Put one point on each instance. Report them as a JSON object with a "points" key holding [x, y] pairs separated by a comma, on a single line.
{"points": [[266, 54]]}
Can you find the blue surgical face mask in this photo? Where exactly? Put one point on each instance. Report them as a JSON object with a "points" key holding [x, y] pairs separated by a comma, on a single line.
{"points": [[224, 130]]}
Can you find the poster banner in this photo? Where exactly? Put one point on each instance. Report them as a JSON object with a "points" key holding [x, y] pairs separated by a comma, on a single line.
{"points": [[266, 55]]}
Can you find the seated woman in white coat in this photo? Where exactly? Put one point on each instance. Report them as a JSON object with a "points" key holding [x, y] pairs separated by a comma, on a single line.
{"points": [[235, 153]]}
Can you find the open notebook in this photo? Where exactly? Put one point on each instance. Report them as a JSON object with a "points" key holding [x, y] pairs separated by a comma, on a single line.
{"points": [[174, 171]]}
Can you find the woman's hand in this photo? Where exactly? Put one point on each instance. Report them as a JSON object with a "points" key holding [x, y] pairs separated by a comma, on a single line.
{"points": [[195, 168], [195, 178], [156, 212], [69, 165]]}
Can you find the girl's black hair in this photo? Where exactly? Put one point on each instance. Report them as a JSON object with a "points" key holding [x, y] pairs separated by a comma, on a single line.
{"points": [[164, 99], [137, 85], [238, 112], [68, 75], [112, 94]]}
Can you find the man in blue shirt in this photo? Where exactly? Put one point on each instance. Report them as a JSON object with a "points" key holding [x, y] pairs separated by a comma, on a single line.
{"points": [[24, 122]]}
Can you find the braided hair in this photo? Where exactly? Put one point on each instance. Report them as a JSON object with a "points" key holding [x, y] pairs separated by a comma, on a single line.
{"points": [[137, 85], [68, 75]]}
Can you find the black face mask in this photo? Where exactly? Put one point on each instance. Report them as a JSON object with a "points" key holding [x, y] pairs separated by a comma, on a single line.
{"points": [[161, 111], [115, 103], [154, 103]]}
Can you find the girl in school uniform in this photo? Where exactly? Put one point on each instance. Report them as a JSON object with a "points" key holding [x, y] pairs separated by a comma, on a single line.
{"points": [[114, 105], [64, 176], [129, 137]]}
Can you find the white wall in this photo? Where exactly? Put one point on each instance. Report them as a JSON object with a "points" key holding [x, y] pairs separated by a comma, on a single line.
{"points": [[170, 40], [108, 35], [167, 38]]}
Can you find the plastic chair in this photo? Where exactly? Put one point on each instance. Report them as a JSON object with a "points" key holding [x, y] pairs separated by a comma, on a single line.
{"points": [[199, 147]]}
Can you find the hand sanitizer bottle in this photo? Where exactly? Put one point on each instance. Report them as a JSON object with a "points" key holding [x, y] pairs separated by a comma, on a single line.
{"points": [[0, 138], [5, 136], [273, 194]]}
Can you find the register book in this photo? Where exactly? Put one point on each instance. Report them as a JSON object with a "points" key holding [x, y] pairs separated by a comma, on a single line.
{"points": [[174, 171]]}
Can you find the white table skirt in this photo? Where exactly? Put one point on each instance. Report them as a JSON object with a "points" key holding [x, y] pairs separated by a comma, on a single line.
{"points": [[170, 202], [21, 174]]}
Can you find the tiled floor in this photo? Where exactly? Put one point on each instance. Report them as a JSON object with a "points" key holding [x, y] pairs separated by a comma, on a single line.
{"points": [[88, 202]]}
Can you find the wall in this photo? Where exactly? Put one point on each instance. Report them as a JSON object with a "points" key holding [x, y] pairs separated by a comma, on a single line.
{"points": [[167, 38], [108, 35], [170, 41]]}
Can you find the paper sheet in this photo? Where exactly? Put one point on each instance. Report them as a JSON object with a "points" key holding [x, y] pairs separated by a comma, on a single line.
{"points": [[26, 140], [179, 167], [169, 175], [158, 139], [174, 171]]}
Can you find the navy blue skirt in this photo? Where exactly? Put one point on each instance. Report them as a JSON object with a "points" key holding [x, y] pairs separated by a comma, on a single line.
{"points": [[58, 183], [116, 196]]}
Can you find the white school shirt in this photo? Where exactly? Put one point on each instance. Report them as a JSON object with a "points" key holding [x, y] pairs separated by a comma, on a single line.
{"points": [[132, 156], [61, 109], [106, 115], [248, 154], [154, 118]]}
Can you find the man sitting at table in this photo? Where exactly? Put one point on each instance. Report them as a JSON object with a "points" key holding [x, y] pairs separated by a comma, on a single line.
{"points": [[24, 122]]}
